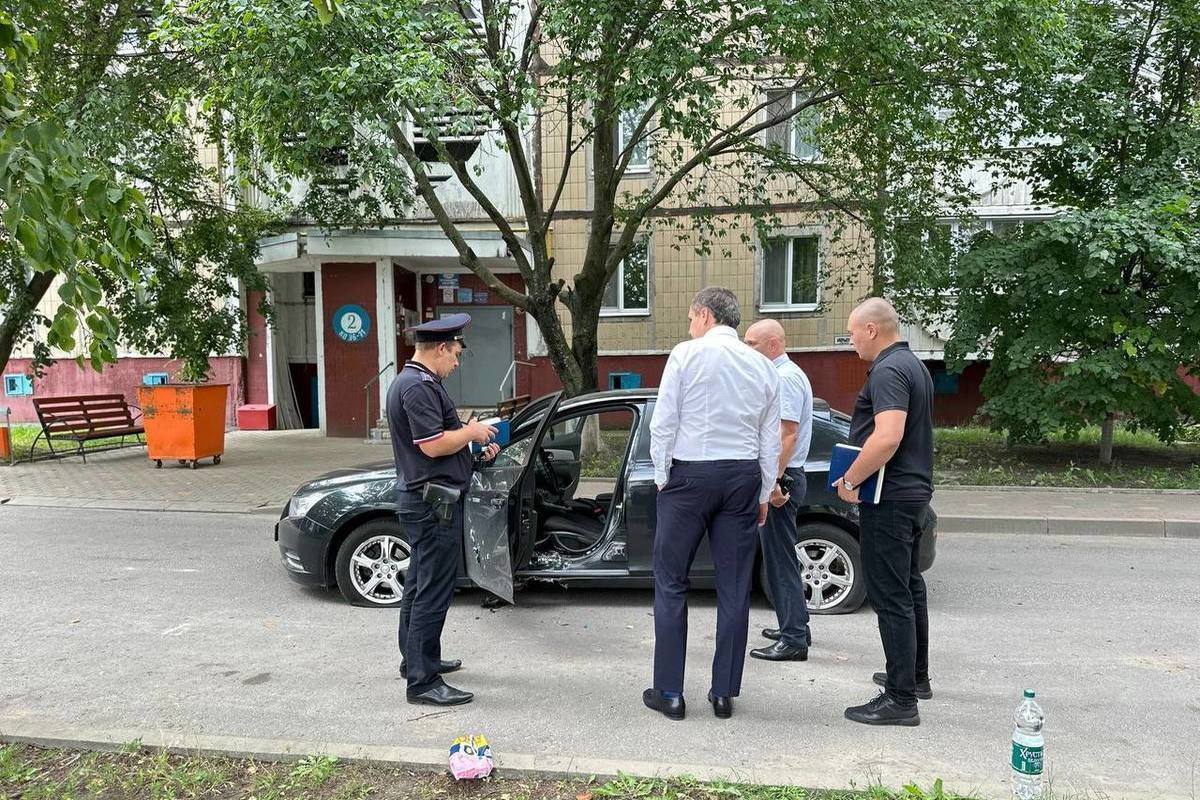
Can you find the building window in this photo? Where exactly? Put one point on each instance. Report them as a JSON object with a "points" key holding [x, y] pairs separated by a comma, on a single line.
{"points": [[791, 273], [950, 239], [797, 135], [627, 123], [627, 292]]}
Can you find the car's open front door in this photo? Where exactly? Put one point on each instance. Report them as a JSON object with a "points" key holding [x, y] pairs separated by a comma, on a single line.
{"points": [[496, 522]]}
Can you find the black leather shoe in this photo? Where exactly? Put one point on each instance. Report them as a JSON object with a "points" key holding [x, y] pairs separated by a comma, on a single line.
{"points": [[780, 652], [924, 690], [444, 667], [775, 635], [441, 695], [883, 710], [669, 707], [722, 706]]}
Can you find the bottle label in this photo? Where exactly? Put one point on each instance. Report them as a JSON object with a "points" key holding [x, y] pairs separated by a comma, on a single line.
{"points": [[1027, 759]]}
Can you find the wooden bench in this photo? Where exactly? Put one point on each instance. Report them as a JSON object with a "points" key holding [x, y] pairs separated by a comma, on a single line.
{"points": [[509, 407], [85, 418]]}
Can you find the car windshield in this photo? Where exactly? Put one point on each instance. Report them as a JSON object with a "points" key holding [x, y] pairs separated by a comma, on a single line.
{"points": [[515, 454]]}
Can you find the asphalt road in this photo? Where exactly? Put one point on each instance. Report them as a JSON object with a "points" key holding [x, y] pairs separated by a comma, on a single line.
{"points": [[184, 622]]}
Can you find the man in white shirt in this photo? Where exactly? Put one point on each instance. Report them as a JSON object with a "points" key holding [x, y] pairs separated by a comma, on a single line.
{"points": [[714, 440], [781, 566]]}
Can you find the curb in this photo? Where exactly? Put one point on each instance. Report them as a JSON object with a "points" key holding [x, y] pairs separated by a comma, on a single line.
{"points": [[1071, 526], [286, 750], [974, 487], [947, 523], [158, 506]]}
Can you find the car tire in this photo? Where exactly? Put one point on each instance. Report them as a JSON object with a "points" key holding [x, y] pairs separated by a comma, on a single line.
{"points": [[822, 538], [360, 558]]}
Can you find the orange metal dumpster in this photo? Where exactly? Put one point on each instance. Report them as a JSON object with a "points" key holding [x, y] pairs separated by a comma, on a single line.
{"points": [[185, 422]]}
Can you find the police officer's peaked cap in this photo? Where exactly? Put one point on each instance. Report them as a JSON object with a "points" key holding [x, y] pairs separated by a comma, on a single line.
{"points": [[447, 329]]}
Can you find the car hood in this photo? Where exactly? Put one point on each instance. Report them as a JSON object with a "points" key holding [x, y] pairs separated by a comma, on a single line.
{"points": [[349, 476]]}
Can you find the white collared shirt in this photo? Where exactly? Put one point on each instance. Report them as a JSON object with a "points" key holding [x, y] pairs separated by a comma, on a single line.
{"points": [[718, 400], [795, 405]]}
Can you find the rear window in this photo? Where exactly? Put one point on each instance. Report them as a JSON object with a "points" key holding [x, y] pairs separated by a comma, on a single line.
{"points": [[825, 434]]}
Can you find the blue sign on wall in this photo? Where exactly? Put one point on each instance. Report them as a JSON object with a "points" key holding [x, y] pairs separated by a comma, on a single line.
{"points": [[351, 323]]}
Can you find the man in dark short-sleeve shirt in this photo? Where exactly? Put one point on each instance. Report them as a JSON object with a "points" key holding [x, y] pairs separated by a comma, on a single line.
{"points": [[893, 424], [431, 446]]}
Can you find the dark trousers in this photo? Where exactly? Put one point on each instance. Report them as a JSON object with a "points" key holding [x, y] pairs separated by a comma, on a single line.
{"points": [[783, 568], [891, 537], [428, 588], [720, 499]]}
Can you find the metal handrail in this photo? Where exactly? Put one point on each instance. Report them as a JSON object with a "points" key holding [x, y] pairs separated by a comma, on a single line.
{"points": [[367, 390], [511, 371]]}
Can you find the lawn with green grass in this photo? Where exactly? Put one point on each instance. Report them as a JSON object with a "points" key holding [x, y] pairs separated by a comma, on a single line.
{"points": [[24, 436], [32, 773], [978, 457]]}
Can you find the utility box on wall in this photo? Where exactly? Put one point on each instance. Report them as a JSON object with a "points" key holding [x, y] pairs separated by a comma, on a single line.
{"points": [[624, 380], [256, 417]]}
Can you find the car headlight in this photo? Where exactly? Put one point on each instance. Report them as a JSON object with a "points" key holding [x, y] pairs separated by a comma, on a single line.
{"points": [[299, 505]]}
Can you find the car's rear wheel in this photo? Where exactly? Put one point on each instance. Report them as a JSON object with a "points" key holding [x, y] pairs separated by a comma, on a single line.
{"points": [[372, 564], [831, 568]]}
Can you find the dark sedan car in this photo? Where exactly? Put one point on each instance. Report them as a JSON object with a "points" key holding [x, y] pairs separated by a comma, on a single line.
{"points": [[570, 499]]}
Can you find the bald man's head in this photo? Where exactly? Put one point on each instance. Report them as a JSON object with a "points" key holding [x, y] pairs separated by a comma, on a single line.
{"points": [[880, 312], [873, 326], [767, 337]]}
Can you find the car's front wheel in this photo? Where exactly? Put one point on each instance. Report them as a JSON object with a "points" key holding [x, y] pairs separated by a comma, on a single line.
{"points": [[831, 568], [372, 564]]}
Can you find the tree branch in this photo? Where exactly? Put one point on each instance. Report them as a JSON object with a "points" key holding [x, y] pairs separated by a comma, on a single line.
{"points": [[448, 226]]}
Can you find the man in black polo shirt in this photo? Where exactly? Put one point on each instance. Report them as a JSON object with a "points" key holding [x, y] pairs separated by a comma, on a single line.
{"points": [[893, 424], [432, 448]]}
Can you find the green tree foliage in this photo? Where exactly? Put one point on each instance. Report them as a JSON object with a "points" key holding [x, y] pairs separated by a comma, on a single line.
{"points": [[873, 83], [117, 99], [1095, 314], [58, 217]]}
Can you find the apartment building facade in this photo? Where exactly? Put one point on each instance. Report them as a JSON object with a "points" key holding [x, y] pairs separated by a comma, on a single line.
{"points": [[344, 297]]}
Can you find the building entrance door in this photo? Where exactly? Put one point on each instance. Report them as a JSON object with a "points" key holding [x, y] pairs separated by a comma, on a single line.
{"points": [[487, 357]]}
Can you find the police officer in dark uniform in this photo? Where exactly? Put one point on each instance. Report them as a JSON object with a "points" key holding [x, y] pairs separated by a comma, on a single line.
{"points": [[433, 469]]}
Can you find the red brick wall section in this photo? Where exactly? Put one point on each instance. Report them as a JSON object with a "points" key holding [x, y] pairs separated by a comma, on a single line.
{"points": [[65, 378], [256, 350], [348, 365], [959, 408]]}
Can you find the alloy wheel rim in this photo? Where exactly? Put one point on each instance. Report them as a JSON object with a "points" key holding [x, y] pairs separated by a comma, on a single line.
{"points": [[827, 571], [379, 567]]}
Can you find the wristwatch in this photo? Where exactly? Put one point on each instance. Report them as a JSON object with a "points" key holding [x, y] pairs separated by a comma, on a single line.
{"points": [[849, 486]]}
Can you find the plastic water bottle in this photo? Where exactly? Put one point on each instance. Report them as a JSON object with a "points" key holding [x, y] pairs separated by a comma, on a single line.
{"points": [[1027, 749]]}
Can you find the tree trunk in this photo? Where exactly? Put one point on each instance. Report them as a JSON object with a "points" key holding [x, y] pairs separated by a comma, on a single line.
{"points": [[879, 279], [585, 345], [16, 317], [557, 347], [1106, 438]]}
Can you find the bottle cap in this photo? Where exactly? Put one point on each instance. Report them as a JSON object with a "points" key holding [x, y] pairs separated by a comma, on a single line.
{"points": [[1029, 693]]}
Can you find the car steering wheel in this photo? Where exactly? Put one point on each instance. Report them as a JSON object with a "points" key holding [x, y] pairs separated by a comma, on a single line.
{"points": [[545, 465]]}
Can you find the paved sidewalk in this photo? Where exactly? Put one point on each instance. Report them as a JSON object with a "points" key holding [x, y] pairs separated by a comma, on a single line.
{"points": [[259, 470]]}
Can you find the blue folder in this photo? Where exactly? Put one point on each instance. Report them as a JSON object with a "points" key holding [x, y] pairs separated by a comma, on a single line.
{"points": [[843, 455]]}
